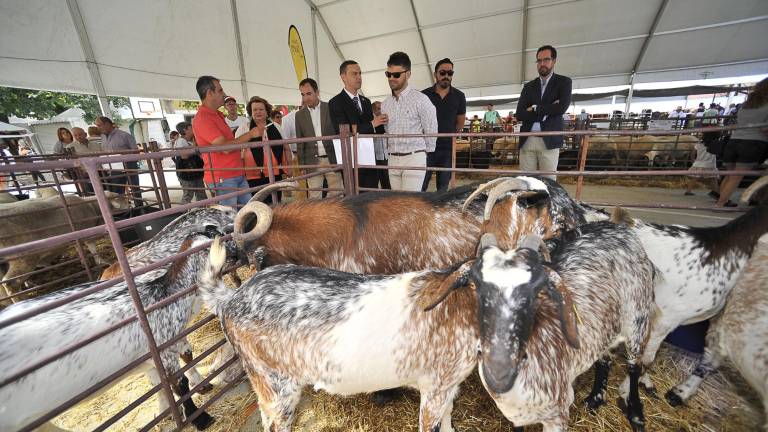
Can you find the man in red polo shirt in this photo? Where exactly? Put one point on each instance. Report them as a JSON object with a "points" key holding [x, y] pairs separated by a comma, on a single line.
{"points": [[211, 130]]}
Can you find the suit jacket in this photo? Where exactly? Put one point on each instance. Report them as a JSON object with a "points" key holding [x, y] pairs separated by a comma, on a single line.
{"points": [[307, 151], [344, 111], [558, 89]]}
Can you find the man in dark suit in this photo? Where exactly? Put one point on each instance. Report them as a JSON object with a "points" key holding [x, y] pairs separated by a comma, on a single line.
{"points": [[541, 106], [350, 107], [314, 119]]}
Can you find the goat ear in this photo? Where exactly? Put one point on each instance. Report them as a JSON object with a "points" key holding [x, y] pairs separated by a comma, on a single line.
{"points": [[562, 297], [454, 281], [532, 198]]}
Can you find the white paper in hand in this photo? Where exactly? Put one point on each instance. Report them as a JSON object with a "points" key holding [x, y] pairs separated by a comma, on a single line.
{"points": [[365, 153]]}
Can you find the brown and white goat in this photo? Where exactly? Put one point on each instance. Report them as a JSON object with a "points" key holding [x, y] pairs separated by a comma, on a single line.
{"points": [[393, 232], [345, 333]]}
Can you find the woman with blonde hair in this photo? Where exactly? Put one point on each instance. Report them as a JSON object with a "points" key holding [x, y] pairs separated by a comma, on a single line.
{"points": [[747, 148]]}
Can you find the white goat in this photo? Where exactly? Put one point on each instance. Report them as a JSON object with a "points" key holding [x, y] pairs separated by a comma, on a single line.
{"points": [[35, 394], [531, 350], [740, 332], [698, 267]]}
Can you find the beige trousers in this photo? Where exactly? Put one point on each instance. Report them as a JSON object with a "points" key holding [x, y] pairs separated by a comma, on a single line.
{"points": [[535, 156], [316, 182], [407, 180]]}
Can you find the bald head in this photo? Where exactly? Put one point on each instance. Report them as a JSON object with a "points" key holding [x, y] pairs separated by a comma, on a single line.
{"points": [[80, 135]]}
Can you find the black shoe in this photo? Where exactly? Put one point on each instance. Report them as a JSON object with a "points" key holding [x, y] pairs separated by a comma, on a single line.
{"points": [[714, 195], [688, 193], [730, 203]]}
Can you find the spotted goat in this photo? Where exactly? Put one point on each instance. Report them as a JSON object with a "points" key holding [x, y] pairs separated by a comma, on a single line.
{"points": [[698, 268], [533, 346], [165, 244], [27, 398], [739, 333], [345, 333]]}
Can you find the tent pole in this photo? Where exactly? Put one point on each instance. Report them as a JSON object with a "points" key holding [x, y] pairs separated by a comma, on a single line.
{"points": [[629, 95], [423, 45], [90, 58], [523, 41], [314, 44], [239, 46]]}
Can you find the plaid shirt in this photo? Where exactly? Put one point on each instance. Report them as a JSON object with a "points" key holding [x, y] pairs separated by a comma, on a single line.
{"points": [[411, 113]]}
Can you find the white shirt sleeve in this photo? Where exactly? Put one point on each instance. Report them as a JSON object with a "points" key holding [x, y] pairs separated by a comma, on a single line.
{"points": [[428, 116]]}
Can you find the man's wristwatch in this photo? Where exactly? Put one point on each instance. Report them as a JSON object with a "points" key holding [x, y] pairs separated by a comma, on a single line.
{"points": [[533, 107]]}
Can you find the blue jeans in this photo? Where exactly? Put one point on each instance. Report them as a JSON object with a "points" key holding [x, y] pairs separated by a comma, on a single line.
{"points": [[225, 185]]}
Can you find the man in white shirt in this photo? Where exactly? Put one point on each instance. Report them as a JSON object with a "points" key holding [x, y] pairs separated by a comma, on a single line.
{"points": [[408, 111], [314, 119], [234, 121]]}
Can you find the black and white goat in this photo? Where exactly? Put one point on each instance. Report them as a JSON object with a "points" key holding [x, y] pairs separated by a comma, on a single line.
{"points": [[740, 332], [698, 267], [598, 293], [166, 243], [37, 393], [346, 333]]}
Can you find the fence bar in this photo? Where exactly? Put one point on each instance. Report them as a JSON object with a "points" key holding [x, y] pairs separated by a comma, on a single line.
{"points": [[129, 281]]}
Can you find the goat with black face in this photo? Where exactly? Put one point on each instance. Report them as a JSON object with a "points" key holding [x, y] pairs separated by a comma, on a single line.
{"points": [[532, 348]]}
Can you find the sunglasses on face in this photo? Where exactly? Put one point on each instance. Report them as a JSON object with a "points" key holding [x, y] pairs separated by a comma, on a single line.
{"points": [[445, 72], [395, 75]]}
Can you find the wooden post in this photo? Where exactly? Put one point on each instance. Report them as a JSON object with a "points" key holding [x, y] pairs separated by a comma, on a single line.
{"points": [[582, 164]]}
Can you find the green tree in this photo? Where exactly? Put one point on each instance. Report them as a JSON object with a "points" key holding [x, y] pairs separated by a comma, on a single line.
{"points": [[42, 104]]}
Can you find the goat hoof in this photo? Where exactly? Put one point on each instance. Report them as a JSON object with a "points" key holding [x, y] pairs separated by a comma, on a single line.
{"points": [[674, 399], [383, 397], [650, 391], [594, 402], [203, 421]]}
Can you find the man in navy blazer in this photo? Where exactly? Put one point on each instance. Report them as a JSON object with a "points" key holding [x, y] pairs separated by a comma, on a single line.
{"points": [[541, 106], [352, 108]]}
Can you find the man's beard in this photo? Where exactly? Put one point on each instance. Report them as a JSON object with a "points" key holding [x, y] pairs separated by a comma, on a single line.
{"points": [[544, 71], [444, 83]]}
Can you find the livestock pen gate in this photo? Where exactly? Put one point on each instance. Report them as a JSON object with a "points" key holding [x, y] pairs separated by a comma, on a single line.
{"points": [[96, 172]]}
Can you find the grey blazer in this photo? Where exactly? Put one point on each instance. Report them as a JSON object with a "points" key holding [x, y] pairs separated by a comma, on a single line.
{"points": [[307, 151]]}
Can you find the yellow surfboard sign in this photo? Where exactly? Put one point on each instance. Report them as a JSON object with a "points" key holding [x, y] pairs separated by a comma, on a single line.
{"points": [[297, 53]]}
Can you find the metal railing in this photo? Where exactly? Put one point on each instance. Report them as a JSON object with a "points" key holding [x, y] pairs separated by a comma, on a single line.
{"points": [[92, 165]]}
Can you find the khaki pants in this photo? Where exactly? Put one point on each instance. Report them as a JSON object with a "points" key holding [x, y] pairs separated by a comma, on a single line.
{"points": [[316, 182], [407, 180], [534, 156]]}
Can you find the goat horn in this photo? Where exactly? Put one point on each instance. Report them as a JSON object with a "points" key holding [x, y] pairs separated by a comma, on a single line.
{"points": [[263, 215], [754, 187], [510, 184], [487, 240], [262, 193], [480, 190], [535, 242]]}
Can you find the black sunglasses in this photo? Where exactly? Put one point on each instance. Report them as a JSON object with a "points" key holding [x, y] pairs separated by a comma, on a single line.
{"points": [[445, 72], [395, 75]]}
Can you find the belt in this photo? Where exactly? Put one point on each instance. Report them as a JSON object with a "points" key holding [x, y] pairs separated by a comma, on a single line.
{"points": [[322, 156], [407, 154]]}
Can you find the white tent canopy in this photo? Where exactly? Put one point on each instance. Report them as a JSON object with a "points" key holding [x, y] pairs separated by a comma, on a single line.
{"points": [[158, 48]]}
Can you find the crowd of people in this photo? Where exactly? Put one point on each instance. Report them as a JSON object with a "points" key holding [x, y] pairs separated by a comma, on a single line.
{"points": [[438, 108]]}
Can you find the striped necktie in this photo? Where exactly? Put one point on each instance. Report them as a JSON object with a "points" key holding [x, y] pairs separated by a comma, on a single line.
{"points": [[356, 100]]}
